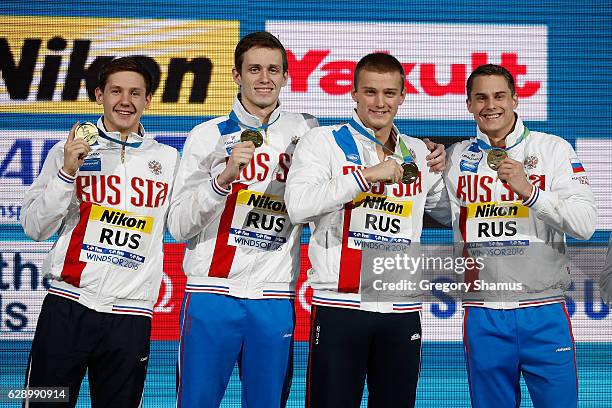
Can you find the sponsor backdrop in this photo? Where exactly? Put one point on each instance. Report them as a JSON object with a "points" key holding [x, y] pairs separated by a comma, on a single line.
{"points": [[50, 53]]}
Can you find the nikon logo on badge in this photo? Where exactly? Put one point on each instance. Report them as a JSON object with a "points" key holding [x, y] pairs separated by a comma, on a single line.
{"points": [[43, 62], [265, 202], [122, 219], [497, 210], [492, 210]]}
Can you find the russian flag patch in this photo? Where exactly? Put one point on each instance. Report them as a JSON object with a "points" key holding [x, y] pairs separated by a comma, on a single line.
{"points": [[577, 166]]}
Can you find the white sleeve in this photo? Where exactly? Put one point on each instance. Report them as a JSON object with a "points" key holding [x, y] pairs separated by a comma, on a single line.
{"points": [[568, 203], [605, 280], [437, 203], [311, 190], [196, 196], [46, 202]]}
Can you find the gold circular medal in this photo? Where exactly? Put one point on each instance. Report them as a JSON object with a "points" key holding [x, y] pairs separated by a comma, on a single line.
{"points": [[495, 157], [411, 172], [88, 132], [252, 136]]}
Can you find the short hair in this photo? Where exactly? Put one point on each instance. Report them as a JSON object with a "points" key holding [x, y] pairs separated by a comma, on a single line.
{"points": [[488, 70], [378, 62], [132, 64], [259, 39]]}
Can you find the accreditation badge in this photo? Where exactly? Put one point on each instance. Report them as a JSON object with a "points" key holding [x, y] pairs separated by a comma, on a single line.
{"points": [[380, 222], [116, 237], [260, 222], [497, 228]]}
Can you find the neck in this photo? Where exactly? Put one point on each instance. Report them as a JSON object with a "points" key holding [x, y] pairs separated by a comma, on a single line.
{"points": [[124, 133], [384, 136], [263, 114], [498, 139]]}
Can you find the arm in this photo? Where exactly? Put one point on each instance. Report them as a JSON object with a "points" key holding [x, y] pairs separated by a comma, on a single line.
{"points": [[197, 196], [311, 190], [437, 203], [568, 205], [46, 203]]}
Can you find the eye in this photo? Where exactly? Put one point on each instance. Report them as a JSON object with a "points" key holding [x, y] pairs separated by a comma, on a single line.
{"points": [[390, 94], [274, 70], [114, 91], [254, 70]]}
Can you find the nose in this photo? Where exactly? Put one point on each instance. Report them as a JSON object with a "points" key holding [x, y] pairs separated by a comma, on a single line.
{"points": [[489, 103], [125, 98], [379, 100], [264, 76]]}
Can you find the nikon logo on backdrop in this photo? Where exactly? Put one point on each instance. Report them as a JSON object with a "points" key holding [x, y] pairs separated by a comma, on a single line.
{"points": [[51, 64]]}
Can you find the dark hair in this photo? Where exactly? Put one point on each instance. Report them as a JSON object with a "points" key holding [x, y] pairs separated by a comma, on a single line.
{"points": [[132, 64], [381, 63], [261, 39], [488, 70]]}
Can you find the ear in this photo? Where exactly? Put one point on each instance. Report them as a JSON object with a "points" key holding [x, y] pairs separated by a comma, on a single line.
{"points": [[236, 76], [515, 101], [148, 99], [285, 78], [468, 103], [402, 96], [354, 94], [99, 99]]}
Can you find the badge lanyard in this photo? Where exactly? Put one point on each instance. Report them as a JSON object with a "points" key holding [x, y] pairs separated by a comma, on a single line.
{"points": [[486, 147], [406, 155]]}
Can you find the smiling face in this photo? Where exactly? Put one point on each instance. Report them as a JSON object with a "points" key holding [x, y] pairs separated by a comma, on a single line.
{"points": [[261, 79], [378, 96], [492, 103], [124, 99]]}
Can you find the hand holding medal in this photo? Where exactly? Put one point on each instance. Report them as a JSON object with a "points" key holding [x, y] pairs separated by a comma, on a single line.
{"points": [[512, 172], [76, 150]]}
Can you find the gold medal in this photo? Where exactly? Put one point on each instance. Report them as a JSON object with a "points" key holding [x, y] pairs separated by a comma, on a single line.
{"points": [[495, 157], [411, 172], [88, 132], [252, 136]]}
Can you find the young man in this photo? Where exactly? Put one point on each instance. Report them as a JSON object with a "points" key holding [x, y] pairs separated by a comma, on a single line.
{"points": [[515, 193], [347, 182], [242, 258], [107, 199]]}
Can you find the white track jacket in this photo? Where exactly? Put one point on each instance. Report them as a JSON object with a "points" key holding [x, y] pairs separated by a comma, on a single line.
{"points": [[240, 242], [110, 219]]}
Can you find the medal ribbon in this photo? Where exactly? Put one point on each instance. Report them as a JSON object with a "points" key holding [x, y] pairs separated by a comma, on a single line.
{"points": [[486, 147], [234, 118], [406, 155], [121, 142]]}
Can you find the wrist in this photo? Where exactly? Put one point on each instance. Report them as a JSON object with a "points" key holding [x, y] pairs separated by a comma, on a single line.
{"points": [[69, 171]]}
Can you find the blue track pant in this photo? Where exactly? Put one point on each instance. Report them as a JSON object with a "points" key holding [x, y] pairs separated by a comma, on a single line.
{"points": [[216, 332], [535, 341]]}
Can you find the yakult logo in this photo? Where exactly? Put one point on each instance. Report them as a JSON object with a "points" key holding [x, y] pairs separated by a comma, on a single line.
{"points": [[437, 60]]}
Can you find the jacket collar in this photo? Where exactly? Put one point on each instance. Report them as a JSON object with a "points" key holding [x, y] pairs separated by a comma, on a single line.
{"points": [[358, 136], [132, 137], [251, 120], [512, 137]]}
